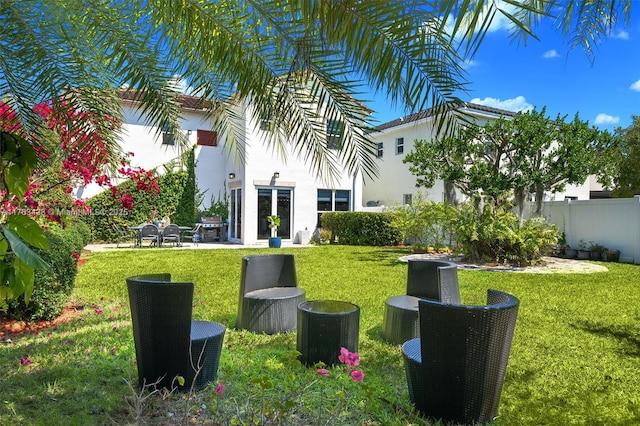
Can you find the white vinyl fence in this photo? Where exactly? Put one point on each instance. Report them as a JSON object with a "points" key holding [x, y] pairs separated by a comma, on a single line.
{"points": [[613, 223]]}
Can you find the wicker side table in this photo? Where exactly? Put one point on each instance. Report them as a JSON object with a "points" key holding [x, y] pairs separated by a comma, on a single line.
{"points": [[324, 326]]}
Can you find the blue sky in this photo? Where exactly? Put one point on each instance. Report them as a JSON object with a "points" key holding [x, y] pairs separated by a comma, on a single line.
{"points": [[546, 72]]}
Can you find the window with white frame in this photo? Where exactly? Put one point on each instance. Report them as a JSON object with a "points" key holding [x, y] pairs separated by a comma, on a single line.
{"points": [[399, 146], [168, 137], [335, 128], [380, 149], [266, 123], [333, 200]]}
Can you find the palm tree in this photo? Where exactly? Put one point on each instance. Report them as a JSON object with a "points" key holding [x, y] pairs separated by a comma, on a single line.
{"points": [[300, 63]]}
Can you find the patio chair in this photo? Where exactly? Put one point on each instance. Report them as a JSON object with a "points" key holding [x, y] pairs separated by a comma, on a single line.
{"points": [[168, 343], [122, 234], [171, 233], [150, 232], [194, 234], [426, 279], [456, 368], [269, 294]]}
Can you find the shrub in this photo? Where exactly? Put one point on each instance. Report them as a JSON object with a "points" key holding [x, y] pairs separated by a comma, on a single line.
{"points": [[53, 285], [106, 211], [361, 228], [498, 236], [425, 222]]}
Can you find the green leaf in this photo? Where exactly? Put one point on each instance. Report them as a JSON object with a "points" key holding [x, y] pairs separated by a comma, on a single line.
{"points": [[23, 279], [28, 229], [22, 251], [17, 179]]}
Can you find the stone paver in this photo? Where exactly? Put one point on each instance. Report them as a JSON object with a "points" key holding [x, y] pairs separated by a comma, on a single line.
{"points": [[549, 265]]}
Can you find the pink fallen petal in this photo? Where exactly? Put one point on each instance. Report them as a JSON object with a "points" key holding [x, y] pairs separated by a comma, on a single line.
{"points": [[357, 376], [323, 371], [220, 388]]}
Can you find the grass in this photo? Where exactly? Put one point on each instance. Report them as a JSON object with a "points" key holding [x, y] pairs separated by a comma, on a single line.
{"points": [[574, 360]]}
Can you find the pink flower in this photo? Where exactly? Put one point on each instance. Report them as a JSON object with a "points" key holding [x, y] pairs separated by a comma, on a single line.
{"points": [[350, 358], [220, 388], [323, 372], [357, 375], [98, 311], [25, 360]]}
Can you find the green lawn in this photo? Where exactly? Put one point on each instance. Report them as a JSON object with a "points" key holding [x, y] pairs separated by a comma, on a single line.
{"points": [[575, 356]]}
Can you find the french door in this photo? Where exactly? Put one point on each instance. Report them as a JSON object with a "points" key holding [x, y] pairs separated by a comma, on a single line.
{"points": [[274, 201]]}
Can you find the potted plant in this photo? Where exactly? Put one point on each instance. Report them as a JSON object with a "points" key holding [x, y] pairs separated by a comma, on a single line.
{"points": [[274, 222], [596, 251], [613, 255], [583, 252], [570, 253]]}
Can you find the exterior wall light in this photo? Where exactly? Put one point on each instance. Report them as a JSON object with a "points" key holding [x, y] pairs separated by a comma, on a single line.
{"points": [[232, 175]]}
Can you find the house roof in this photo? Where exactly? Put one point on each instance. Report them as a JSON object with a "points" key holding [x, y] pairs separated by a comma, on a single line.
{"points": [[186, 101], [433, 111]]}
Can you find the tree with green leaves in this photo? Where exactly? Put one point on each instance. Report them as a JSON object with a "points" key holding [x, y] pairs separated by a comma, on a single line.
{"points": [[624, 161], [528, 154]]}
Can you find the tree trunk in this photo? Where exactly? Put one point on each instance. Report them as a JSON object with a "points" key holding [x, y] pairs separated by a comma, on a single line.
{"points": [[450, 193], [519, 195], [539, 200]]}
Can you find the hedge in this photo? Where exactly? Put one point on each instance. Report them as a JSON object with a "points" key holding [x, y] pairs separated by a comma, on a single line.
{"points": [[361, 228]]}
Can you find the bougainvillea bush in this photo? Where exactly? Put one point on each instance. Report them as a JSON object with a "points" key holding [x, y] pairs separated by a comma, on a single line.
{"points": [[38, 176]]}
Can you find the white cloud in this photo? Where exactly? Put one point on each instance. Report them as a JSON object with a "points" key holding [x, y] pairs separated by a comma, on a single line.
{"points": [[635, 86], [469, 63], [498, 22], [549, 54], [603, 118], [517, 104], [621, 34]]}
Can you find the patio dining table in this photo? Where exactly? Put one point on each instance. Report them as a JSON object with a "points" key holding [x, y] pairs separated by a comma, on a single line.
{"points": [[138, 228]]}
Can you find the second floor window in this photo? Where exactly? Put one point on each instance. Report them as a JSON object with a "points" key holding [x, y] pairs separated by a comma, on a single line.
{"points": [[399, 146], [380, 149], [334, 133], [168, 137]]}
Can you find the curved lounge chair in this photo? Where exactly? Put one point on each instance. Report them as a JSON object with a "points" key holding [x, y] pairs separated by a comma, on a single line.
{"points": [[456, 368], [168, 343], [426, 279], [269, 294]]}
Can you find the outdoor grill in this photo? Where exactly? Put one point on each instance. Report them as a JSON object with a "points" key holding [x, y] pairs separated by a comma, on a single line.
{"points": [[211, 229]]}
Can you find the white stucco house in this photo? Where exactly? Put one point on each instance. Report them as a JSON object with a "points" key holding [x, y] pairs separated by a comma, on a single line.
{"points": [[259, 185], [395, 185]]}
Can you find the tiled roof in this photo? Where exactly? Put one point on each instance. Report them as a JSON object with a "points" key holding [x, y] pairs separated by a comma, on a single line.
{"points": [[186, 101], [432, 112]]}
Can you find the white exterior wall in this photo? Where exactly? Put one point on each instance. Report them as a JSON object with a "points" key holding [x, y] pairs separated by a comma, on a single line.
{"points": [[394, 178], [260, 164], [613, 223]]}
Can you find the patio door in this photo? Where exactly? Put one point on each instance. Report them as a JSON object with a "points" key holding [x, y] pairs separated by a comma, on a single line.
{"points": [[274, 201], [235, 214]]}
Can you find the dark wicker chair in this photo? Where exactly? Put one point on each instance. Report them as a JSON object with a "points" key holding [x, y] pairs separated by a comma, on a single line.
{"points": [[456, 368], [269, 294], [426, 279], [168, 343]]}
